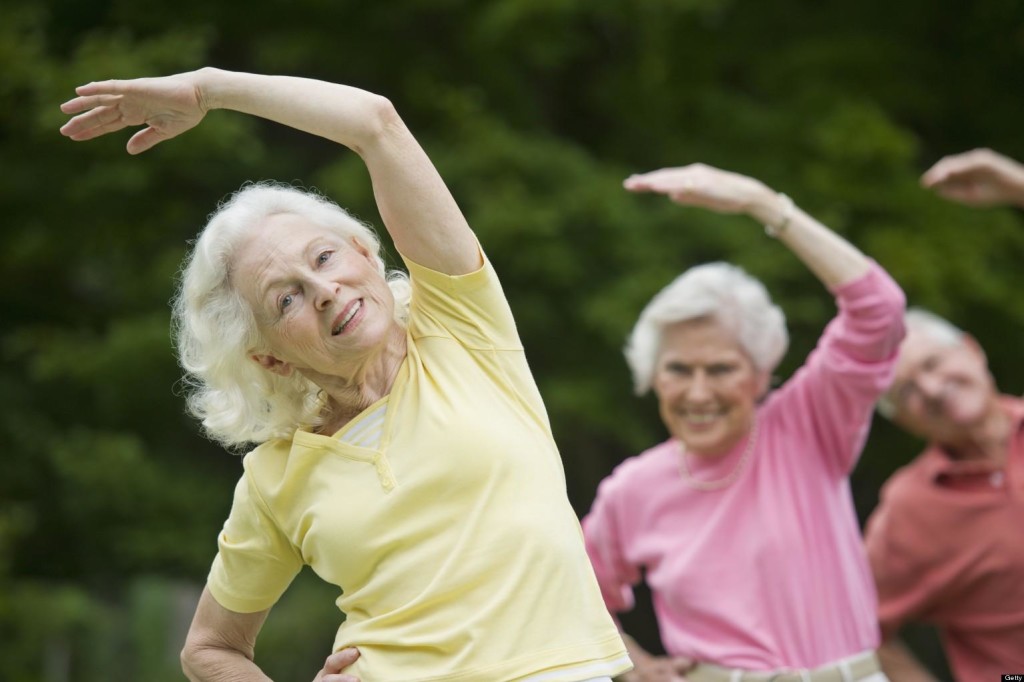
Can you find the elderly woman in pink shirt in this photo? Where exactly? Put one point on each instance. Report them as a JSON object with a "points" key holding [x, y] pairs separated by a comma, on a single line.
{"points": [[742, 521]]}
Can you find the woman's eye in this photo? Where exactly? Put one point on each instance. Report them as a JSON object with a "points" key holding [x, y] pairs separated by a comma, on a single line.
{"points": [[323, 257], [719, 370], [285, 301]]}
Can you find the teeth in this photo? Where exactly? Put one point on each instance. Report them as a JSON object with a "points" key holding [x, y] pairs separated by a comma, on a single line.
{"points": [[701, 418], [348, 318]]}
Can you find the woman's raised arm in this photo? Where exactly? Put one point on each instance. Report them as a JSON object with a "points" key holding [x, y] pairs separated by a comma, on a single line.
{"points": [[418, 210], [831, 258]]}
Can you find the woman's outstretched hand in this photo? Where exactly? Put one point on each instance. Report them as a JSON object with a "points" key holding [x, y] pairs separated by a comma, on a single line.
{"points": [[167, 106], [980, 177], [707, 187]]}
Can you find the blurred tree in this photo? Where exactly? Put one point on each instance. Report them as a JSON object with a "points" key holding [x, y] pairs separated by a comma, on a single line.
{"points": [[534, 110]]}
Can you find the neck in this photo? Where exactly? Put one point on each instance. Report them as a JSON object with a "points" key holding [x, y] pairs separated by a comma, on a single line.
{"points": [[988, 440], [374, 378]]}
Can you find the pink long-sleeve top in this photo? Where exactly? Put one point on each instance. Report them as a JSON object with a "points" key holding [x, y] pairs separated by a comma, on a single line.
{"points": [[769, 572]]}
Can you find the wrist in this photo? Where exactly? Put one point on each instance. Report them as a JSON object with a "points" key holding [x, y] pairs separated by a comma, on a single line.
{"points": [[205, 86], [214, 88], [764, 205], [776, 214]]}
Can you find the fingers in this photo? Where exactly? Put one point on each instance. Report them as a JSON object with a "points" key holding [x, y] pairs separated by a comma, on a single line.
{"points": [[958, 164], [100, 109], [667, 180], [80, 104], [659, 669], [638, 183], [114, 87], [147, 138], [964, 193], [98, 121], [681, 664], [340, 660], [941, 172], [681, 183], [335, 663]]}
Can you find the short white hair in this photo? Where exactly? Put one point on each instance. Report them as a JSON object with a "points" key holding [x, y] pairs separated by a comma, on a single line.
{"points": [[723, 292], [238, 402], [938, 329]]}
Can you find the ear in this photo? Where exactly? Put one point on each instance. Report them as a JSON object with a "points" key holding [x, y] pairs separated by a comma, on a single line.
{"points": [[272, 364]]}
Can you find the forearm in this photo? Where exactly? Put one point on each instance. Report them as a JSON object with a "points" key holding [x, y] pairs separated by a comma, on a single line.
{"points": [[900, 665], [832, 259], [219, 665], [416, 206], [636, 652], [343, 114], [638, 655]]}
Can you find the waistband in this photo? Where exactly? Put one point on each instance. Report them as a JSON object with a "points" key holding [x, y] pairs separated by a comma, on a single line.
{"points": [[847, 669]]}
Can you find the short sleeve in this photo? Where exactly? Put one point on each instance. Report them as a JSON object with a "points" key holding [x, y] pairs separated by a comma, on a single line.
{"points": [[255, 562], [470, 308], [604, 543]]}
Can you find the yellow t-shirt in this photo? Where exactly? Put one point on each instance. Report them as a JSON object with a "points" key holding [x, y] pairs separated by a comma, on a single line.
{"points": [[453, 542]]}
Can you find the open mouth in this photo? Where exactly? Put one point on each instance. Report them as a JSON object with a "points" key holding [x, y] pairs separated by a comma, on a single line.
{"points": [[346, 317], [702, 417]]}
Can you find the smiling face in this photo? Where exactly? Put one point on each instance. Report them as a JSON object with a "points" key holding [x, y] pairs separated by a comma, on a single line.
{"points": [[707, 386], [941, 391], [319, 299]]}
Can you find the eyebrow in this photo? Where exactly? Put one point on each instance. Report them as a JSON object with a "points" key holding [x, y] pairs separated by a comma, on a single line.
{"points": [[311, 246]]}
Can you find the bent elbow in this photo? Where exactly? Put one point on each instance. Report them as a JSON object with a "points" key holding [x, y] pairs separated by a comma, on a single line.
{"points": [[189, 658], [383, 123]]}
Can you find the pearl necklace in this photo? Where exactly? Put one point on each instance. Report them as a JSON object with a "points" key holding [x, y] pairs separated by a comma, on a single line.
{"points": [[728, 479]]}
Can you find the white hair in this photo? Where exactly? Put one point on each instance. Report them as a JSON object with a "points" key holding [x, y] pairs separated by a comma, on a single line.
{"points": [[720, 291], [926, 323], [931, 325], [237, 401]]}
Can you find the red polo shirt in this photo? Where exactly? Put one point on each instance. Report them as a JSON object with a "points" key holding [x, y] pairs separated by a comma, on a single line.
{"points": [[946, 545]]}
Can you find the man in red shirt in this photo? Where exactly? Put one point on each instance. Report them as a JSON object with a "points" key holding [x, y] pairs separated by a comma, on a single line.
{"points": [[946, 542]]}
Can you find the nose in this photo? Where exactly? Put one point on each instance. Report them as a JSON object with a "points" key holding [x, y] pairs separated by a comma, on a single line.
{"points": [[929, 385], [325, 292], [699, 387]]}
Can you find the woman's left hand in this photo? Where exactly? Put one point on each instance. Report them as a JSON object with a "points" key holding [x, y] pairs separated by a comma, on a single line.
{"points": [[167, 106], [708, 187], [335, 664]]}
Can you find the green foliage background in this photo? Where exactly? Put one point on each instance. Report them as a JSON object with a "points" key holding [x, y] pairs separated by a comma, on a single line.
{"points": [[534, 111]]}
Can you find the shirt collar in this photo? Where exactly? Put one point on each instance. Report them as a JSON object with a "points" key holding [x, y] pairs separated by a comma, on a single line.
{"points": [[940, 465]]}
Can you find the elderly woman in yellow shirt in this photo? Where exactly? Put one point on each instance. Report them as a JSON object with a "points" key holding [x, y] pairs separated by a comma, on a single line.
{"points": [[403, 451]]}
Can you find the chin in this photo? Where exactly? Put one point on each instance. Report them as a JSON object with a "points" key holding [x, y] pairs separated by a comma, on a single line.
{"points": [[704, 446]]}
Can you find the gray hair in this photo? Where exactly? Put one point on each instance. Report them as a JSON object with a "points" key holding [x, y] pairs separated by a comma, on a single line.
{"points": [[237, 401], [938, 329], [720, 291]]}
